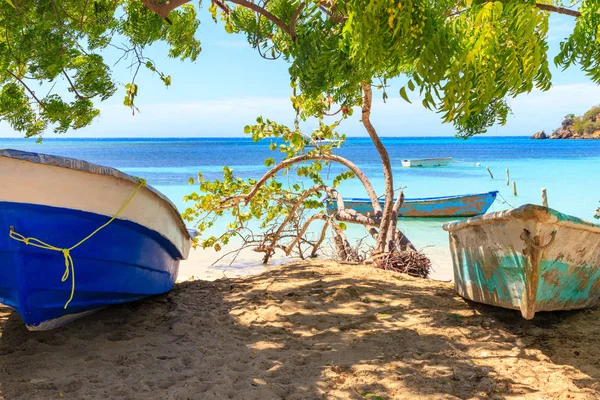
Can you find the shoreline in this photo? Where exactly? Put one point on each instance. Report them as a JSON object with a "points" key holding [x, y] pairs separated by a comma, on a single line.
{"points": [[199, 264], [305, 330]]}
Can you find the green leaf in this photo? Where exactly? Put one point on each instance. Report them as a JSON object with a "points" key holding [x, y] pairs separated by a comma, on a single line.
{"points": [[213, 11], [269, 162], [403, 94], [11, 3], [297, 140]]}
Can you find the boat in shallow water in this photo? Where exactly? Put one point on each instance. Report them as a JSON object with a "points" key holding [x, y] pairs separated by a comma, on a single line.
{"points": [[56, 264], [427, 162], [530, 259], [447, 206]]}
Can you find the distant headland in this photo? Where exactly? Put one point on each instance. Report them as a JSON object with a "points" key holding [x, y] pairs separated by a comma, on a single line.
{"points": [[586, 126]]}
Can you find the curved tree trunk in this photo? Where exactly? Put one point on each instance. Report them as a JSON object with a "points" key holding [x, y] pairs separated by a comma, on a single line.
{"points": [[386, 217], [389, 238]]}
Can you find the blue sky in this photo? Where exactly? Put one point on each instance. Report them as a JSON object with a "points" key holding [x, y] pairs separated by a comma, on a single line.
{"points": [[230, 85]]}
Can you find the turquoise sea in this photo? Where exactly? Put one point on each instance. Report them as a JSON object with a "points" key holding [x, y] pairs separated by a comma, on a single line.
{"points": [[566, 168]]}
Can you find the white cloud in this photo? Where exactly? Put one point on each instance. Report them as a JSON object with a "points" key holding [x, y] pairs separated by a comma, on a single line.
{"points": [[227, 117]]}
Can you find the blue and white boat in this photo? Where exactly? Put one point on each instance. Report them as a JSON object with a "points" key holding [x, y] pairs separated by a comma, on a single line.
{"points": [[76, 237], [467, 205]]}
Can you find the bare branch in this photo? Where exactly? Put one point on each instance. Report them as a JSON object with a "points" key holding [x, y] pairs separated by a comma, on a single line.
{"points": [[295, 207], [222, 6], [308, 157], [294, 19], [31, 92], [80, 97], [559, 10], [312, 219], [399, 202], [318, 243], [330, 8], [83, 14]]}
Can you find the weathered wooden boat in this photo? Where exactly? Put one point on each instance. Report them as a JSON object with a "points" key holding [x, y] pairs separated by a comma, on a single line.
{"points": [[530, 259], [110, 237], [427, 162], [447, 206]]}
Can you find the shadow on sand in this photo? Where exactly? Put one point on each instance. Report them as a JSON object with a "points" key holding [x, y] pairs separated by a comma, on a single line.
{"points": [[304, 331]]}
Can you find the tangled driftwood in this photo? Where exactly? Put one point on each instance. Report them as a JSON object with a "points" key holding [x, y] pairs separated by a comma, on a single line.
{"points": [[408, 262]]}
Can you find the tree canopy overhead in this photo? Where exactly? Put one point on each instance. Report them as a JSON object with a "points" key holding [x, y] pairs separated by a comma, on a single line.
{"points": [[465, 58]]}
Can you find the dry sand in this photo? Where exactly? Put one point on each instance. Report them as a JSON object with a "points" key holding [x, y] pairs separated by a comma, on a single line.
{"points": [[305, 331]]}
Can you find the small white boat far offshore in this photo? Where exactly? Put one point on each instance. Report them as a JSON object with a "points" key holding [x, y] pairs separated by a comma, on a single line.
{"points": [[322, 142], [427, 162]]}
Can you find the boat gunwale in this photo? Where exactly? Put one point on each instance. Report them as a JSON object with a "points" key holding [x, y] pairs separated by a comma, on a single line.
{"points": [[173, 250], [75, 164], [527, 212]]}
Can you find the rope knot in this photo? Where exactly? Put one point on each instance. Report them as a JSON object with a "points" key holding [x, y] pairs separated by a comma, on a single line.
{"points": [[67, 255], [66, 252]]}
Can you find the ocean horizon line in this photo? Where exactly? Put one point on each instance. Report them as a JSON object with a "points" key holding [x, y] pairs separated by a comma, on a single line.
{"points": [[188, 138]]}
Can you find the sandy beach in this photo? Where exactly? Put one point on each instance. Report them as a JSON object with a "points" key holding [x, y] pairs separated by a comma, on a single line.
{"points": [[305, 331]]}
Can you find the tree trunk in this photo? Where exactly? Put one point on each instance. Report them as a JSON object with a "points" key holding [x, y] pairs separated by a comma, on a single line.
{"points": [[389, 238], [386, 217]]}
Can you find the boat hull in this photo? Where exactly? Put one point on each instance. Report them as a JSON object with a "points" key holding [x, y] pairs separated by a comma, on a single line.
{"points": [[500, 259], [427, 162], [440, 207], [123, 262]]}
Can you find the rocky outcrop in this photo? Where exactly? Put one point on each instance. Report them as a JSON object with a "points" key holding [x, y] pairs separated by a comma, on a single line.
{"points": [[540, 135], [586, 126]]}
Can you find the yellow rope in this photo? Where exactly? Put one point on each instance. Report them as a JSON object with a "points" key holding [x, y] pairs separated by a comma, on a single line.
{"points": [[69, 265]]}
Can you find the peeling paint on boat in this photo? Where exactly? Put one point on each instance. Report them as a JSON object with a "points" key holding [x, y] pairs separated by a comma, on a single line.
{"points": [[494, 264]]}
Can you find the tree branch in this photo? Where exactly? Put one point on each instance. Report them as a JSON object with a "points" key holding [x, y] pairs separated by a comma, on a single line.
{"points": [[222, 6], [317, 244], [294, 19], [543, 7], [263, 12], [163, 9], [295, 207], [312, 219], [559, 10], [80, 97], [31, 92], [308, 157]]}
